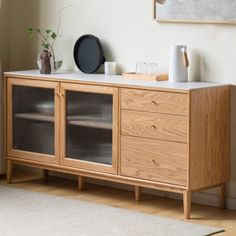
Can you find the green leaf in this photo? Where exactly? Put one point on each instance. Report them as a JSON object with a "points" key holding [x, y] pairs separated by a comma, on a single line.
{"points": [[54, 35], [48, 31], [30, 29], [45, 45], [38, 30], [30, 32]]}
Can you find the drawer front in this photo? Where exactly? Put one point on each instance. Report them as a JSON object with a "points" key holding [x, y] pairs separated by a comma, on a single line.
{"points": [[154, 101], [154, 160], [155, 126]]}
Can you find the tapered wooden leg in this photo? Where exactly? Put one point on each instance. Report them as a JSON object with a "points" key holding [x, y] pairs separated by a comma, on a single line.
{"points": [[187, 204], [9, 171], [138, 192], [45, 173], [221, 196], [80, 183]]}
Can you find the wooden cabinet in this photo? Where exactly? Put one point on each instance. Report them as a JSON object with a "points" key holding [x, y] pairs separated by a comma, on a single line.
{"points": [[89, 127], [32, 120], [169, 137], [154, 143], [85, 116]]}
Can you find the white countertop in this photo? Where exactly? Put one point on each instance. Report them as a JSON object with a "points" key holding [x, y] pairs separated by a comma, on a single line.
{"points": [[117, 80]]}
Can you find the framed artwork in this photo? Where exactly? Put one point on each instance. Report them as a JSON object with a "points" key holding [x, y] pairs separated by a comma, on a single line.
{"points": [[195, 11]]}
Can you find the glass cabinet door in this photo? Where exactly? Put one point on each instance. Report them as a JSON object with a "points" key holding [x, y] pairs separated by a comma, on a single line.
{"points": [[90, 123], [32, 118]]}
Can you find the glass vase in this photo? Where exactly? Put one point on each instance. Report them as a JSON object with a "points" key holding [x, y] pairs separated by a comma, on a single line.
{"points": [[56, 61]]}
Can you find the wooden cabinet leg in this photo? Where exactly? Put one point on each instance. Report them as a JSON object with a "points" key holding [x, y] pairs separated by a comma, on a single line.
{"points": [[221, 196], [187, 204], [9, 171], [45, 173], [138, 192], [80, 183]]}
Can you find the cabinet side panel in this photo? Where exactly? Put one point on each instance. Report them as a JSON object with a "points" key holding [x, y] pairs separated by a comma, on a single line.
{"points": [[209, 137], [5, 115]]}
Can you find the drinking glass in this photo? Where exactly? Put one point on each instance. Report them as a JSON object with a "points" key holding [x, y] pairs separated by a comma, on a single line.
{"points": [[152, 68], [141, 68]]}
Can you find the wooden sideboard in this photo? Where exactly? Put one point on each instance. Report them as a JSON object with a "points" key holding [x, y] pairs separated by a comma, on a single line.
{"points": [[159, 135]]}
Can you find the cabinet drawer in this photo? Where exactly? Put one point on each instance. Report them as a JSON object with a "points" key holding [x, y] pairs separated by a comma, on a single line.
{"points": [[156, 126], [154, 160], [154, 101]]}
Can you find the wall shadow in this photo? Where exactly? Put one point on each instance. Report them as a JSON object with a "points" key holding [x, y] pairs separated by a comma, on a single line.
{"points": [[22, 15], [3, 67]]}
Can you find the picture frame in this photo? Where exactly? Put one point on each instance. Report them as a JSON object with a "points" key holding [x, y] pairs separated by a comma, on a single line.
{"points": [[192, 11]]}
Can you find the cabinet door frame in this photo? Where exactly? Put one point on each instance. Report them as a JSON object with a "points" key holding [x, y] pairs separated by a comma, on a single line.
{"points": [[80, 164], [11, 152]]}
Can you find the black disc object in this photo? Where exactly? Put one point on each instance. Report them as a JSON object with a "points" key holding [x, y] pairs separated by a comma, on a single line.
{"points": [[88, 53]]}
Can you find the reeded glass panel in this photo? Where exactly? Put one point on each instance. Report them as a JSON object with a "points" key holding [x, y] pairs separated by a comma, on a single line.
{"points": [[89, 127], [33, 119]]}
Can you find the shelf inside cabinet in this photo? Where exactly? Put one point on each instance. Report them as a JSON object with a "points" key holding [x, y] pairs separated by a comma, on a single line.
{"points": [[35, 116], [81, 121]]}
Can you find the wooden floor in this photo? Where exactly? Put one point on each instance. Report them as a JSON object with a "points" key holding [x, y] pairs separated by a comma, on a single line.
{"points": [[125, 199]]}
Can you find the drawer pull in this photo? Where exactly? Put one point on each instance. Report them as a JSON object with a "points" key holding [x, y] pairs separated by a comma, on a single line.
{"points": [[154, 161], [154, 103], [154, 127]]}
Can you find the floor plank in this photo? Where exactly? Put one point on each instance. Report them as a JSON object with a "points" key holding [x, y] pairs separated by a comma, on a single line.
{"points": [[124, 199]]}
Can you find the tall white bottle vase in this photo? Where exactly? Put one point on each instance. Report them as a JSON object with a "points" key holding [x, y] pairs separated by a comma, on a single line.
{"points": [[178, 69]]}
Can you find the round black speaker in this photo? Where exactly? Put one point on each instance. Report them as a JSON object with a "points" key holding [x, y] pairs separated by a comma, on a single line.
{"points": [[88, 53]]}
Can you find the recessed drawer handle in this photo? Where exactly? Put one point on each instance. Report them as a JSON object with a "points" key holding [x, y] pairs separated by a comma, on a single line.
{"points": [[154, 103], [154, 161], [60, 94], [154, 127]]}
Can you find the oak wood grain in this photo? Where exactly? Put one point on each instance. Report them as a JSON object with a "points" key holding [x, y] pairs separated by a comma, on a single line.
{"points": [[187, 204], [209, 137], [153, 101], [137, 193], [81, 183], [100, 175], [156, 126], [154, 160]]}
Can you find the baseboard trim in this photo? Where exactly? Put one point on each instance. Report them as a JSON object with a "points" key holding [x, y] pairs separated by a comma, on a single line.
{"points": [[212, 200], [208, 198], [202, 198]]}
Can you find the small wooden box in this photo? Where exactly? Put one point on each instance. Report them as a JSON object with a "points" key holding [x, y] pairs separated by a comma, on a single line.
{"points": [[134, 76]]}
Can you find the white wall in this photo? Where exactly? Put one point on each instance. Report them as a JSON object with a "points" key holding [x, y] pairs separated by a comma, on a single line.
{"points": [[129, 35]]}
